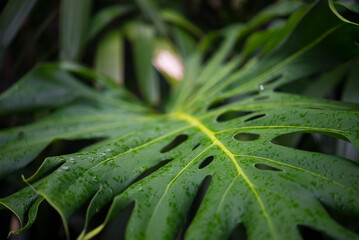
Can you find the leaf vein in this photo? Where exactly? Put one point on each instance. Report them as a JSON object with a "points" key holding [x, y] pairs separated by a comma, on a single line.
{"points": [[211, 135]]}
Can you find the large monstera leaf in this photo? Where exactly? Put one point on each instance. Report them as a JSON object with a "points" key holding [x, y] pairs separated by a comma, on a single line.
{"points": [[220, 126]]}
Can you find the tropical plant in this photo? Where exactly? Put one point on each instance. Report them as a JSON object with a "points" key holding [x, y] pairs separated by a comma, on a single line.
{"points": [[217, 140]]}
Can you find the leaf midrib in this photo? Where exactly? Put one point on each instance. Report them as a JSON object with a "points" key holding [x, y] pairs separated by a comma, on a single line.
{"points": [[173, 180], [211, 135]]}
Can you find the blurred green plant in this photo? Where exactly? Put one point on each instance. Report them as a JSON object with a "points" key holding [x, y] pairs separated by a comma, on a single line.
{"points": [[242, 145]]}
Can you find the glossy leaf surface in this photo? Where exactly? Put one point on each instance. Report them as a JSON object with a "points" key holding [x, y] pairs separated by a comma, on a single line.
{"points": [[221, 123]]}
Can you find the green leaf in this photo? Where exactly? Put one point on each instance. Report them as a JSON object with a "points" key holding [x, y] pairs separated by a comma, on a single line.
{"points": [[22, 203], [185, 42], [281, 8], [105, 16], [350, 91], [98, 78], [11, 19], [149, 8], [281, 35], [259, 39], [46, 86], [75, 17], [349, 4], [350, 94], [110, 56], [143, 47], [52, 85], [176, 18], [293, 59], [276, 10], [74, 122], [326, 83], [220, 124]]}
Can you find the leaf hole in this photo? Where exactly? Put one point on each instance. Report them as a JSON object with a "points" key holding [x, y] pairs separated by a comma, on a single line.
{"points": [[206, 162], [309, 233], [151, 170], [246, 136], [196, 146], [99, 215], [229, 115], [239, 232], [116, 228], [201, 193], [289, 140], [254, 117], [266, 167], [345, 218], [217, 104], [57, 149], [52, 227], [175, 143], [334, 144]]}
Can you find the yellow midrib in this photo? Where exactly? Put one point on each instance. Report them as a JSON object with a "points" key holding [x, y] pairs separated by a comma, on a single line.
{"points": [[211, 135]]}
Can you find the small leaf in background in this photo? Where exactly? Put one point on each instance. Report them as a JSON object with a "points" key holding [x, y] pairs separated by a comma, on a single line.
{"points": [[322, 86], [144, 44], [352, 5], [149, 8], [281, 8], [24, 202], [336, 6], [258, 40], [74, 23], [110, 56], [11, 19], [46, 86], [185, 42], [178, 19], [105, 16], [282, 34]]}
